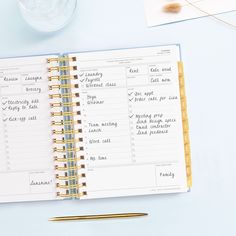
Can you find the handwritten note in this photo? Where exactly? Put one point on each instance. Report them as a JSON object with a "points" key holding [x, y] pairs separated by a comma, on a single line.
{"points": [[131, 116], [26, 142]]}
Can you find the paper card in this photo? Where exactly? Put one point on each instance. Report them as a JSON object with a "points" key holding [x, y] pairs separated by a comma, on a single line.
{"points": [[156, 16]]}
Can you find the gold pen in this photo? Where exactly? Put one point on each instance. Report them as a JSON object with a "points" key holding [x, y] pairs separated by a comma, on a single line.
{"points": [[97, 217]]}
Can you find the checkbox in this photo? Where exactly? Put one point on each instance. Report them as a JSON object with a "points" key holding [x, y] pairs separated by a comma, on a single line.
{"points": [[4, 103], [130, 94], [131, 116], [4, 108], [4, 120], [82, 74], [82, 80], [131, 99]]}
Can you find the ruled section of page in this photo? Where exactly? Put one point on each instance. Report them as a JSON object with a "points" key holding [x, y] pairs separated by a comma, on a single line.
{"points": [[131, 121], [26, 158]]}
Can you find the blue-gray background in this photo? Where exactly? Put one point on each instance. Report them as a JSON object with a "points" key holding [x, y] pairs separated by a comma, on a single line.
{"points": [[209, 54]]}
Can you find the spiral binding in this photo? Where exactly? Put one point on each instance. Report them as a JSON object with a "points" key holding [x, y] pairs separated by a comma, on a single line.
{"points": [[69, 168], [185, 125]]}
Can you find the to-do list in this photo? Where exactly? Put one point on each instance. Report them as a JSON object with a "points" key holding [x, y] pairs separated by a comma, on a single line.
{"points": [[131, 116], [25, 138]]}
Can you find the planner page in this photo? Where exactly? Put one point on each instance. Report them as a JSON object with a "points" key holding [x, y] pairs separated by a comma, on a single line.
{"points": [[131, 122], [26, 158]]}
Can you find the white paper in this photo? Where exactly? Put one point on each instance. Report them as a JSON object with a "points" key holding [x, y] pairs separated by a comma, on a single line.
{"points": [[156, 16], [125, 97], [26, 152]]}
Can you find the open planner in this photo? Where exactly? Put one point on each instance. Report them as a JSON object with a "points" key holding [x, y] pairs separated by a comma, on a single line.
{"points": [[93, 125]]}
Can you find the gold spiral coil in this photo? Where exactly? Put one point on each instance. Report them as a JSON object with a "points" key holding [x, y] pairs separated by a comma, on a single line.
{"points": [[67, 186], [62, 131], [60, 177], [63, 86], [61, 68], [63, 77], [62, 113], [60, 59], [63, 119], [66, 167], [65, 160], [67, 104], [65, 150], [65, 122], [69, 195], [64, 95], [63, 141]]}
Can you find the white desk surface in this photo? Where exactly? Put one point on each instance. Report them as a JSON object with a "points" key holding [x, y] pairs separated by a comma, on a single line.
{"points": [[209, 54]]}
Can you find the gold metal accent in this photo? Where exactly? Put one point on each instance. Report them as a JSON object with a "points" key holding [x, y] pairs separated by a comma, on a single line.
{"points": [[53, 68], [62, 77], [51, 96], [59, 177], [77, 186], [65, 168], [58, 123], [61, 68], [63, 141], [97, 217], [185, 125], [64, 95], [68, 195], [61, 113], [66, 122], [63, 86], [67, 131], [60, 59], [66, 104], [64, 150], [66, 160]]}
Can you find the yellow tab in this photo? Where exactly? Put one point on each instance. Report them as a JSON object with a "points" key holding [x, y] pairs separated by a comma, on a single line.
{"points": [[185, 125]]}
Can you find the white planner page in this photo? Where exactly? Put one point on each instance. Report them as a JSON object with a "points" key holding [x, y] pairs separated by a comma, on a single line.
{"points": [[156, 16], [26, 158], [130, 121]]}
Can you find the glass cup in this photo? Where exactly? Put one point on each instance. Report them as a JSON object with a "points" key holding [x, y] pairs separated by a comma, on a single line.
{"points": [[47, 15]]}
